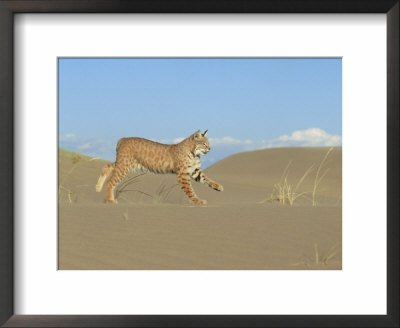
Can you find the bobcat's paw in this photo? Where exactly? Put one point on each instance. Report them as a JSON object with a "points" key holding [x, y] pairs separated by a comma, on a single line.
{"points": [[199, 202], [217, 187], [111, 201], [98, 188]]}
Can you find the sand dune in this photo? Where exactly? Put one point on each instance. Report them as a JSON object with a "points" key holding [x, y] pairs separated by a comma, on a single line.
{"points": [[155, 227]]}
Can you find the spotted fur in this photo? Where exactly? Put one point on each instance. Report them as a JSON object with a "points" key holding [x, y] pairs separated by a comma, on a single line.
{"points": [[139, 154]]}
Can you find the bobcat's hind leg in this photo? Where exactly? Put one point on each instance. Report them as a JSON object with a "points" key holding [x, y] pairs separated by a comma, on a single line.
{"points": [[184, 181], [107, 169], [120, 171]]}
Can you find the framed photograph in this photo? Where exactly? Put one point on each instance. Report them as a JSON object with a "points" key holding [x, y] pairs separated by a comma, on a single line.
{"points": [[212, 211], [277, 123]]}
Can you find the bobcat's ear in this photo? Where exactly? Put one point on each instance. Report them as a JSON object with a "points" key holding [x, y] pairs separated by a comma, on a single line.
{"points": [[205, 133], [197, 135]]}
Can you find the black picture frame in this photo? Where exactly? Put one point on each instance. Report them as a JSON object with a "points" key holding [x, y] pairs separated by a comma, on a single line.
{"points": [[7, 10]]}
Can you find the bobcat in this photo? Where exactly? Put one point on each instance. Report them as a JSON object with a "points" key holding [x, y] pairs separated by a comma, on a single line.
{"points": [[145, 155]]}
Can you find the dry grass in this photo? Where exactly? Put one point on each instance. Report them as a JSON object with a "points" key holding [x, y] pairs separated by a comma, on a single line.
{"points": [[318, 177], [76, 159], [318, 259], [126, 186], [70, 154], [160, 196], [286, 193]]}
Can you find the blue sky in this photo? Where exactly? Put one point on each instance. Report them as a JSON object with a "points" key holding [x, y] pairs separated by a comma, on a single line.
{"points": [[245, 104]]}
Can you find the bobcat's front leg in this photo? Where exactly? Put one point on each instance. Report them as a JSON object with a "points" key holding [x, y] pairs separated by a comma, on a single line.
{"points": [[199, 176], [184, 181]]}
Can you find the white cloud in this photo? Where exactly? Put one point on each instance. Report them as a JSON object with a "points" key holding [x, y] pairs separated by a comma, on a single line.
{"points": [[68, 137], [84, 146], [311, 137], [177, 140], [213, 141], [170, 141], [229, 141], [92, 146]]}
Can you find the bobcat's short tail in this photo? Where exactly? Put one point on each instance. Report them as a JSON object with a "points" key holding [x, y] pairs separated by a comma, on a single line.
{"points": [[107, 170]]}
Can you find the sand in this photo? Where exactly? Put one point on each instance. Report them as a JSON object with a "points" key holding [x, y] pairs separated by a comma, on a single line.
{"points": [[154, 226]]}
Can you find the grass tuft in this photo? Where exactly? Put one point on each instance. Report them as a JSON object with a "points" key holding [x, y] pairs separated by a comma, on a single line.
{"points": [[162, 193], [318, 177], [76, 159], [319, 259], [123, 187], [286, 193], [160, 196]]}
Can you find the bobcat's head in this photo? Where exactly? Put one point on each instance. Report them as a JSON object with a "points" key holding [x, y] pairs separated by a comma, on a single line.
{"points": [[200, 141]]}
